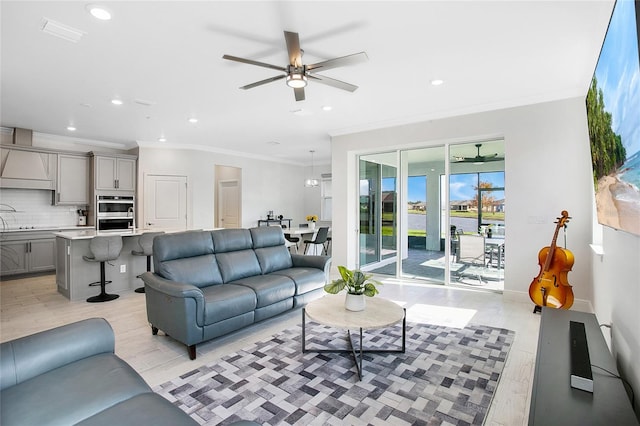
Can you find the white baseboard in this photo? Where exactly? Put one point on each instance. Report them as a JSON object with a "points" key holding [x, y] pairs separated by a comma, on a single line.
{"points": [[580, 305]]}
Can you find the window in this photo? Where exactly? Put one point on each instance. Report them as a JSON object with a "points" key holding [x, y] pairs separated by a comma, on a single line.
{"points": [[326, 194]]}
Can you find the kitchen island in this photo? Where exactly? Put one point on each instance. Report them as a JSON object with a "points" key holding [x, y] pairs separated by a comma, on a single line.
{"points": [[74, 274]]}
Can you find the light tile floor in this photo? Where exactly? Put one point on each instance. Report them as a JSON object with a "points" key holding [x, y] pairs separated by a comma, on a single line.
{"points": [[29, 305]]}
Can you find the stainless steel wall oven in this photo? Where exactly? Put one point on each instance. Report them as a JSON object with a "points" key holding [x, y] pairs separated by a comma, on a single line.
{"points": [[115, 212]]}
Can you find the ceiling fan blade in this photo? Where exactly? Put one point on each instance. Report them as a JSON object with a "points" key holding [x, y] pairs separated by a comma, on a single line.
{"points": [[293, 48], [261, 82], [299, 92], [333, 82], [252, 62], [342, 61]]}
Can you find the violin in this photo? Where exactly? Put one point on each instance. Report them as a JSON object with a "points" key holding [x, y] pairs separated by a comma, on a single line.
{"points": [[551, 287]]}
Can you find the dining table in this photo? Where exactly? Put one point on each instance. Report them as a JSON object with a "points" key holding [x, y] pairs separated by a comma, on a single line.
{"points": [[495, 246], [304, 233]]}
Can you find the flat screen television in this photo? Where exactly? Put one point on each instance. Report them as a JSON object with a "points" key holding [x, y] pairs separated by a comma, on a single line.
{"points": [[613, 115]]}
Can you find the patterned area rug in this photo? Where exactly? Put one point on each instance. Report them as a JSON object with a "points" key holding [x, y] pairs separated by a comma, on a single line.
{"points": [[446, 377]]}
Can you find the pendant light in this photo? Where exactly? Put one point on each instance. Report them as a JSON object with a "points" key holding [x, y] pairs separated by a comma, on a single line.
{"points": [[311, 182]]}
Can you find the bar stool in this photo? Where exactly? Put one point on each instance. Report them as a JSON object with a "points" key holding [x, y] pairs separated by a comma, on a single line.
{"points": [[103, 249], [145, 243]]}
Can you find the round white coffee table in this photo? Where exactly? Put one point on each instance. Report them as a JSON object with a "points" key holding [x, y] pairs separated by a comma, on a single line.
{"points": [[378, 313]]}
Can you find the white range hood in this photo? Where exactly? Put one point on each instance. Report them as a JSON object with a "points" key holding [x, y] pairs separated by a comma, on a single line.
{"points": [[24, 168]]}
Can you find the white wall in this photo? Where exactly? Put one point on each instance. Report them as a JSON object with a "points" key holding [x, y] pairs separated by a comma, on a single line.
{"points": [[266, 185], [547, 170], [616, 301]]}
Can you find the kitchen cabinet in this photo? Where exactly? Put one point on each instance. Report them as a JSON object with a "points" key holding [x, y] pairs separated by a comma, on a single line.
{"points": [[72, 185], [29, 252], [114, 173]]}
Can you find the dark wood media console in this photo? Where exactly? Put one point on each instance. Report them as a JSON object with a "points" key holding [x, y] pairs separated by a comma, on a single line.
{"points": [[553, 400]]}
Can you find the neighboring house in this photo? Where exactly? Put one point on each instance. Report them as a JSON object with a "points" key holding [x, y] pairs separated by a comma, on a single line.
{"points": [[419, 206], [461, 206]]}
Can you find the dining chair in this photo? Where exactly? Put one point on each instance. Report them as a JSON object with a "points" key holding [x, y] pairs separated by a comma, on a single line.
{"points": [[471, 249], [320, 238], [289, 241], [472, 254]]}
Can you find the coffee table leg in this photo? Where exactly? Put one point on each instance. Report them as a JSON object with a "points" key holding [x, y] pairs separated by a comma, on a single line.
{"points": [[354, 353], [352, 349]]}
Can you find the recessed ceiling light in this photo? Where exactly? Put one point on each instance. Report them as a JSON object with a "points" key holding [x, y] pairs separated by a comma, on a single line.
{"points": [[71, 128], [162, 139], [193, 120], [116, 101], [437, 82], [99, 12], [327, 108]]}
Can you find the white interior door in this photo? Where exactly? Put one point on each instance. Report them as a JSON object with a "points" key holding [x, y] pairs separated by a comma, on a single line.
{"points": [[165, 202], [229, 203]]}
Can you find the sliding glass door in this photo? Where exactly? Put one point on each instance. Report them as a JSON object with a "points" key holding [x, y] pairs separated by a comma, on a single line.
{"points": [[423, 248], [477, 215], [414, 205], [378, 209]]}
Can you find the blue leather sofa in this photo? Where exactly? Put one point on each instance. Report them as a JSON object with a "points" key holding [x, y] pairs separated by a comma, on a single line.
{"points": [[209, 283], [70, 375]]}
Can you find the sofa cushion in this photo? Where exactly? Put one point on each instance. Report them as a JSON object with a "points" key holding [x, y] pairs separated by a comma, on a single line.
{"points": [[71, 393], [143, 409], [226, 240], [200, 271], [268, 243], [227, 301], [181, 244], [238, 264], [306, 279], [269, 289], [273, 258], [267, 236]]}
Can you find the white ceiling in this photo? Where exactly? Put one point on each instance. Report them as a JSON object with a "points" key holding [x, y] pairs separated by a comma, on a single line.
{"points": [[490, 54]]}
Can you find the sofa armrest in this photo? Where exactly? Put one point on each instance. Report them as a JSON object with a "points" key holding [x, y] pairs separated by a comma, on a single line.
{"points": [[172, 288], [27, 357], [312, 261], [187, 300]]}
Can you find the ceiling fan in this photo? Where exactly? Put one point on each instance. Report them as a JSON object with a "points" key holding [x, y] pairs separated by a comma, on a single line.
{"points": [[478, 159], [297, 74]]}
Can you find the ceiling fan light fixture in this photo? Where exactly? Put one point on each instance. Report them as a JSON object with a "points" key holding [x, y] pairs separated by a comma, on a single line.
{"points": [[296, 81]]}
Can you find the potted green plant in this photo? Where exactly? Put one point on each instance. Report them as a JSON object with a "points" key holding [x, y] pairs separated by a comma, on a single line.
{"points": [[357, 284]]}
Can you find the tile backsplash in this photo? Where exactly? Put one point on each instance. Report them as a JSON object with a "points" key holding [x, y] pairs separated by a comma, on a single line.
{"points": [[33, 207]]}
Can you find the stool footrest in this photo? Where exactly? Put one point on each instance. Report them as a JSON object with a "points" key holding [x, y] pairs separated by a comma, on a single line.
{"points": [[98, 283]]}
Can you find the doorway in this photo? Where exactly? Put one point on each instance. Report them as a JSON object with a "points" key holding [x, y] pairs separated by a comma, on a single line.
{"points": [[229, 197]]}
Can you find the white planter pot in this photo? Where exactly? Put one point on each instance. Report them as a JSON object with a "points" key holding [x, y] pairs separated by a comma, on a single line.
{"points": [[354, 302], [312, 225]]}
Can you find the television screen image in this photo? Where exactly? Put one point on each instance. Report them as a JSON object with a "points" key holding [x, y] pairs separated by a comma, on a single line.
{"points": [[613, 113]]}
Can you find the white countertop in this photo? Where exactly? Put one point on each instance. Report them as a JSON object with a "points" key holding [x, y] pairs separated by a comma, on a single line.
{"points": [[90, 233], [48, 229]]}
